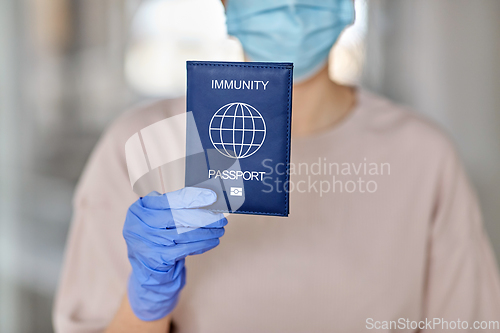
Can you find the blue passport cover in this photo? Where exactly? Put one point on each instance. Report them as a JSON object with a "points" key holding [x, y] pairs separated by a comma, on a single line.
{"points": [[238, 138]]}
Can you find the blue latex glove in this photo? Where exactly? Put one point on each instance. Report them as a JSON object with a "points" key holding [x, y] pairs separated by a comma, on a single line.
{"points": [[156, 250]]}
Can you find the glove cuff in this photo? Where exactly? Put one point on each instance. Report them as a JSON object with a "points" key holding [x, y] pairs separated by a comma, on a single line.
{"points": [[148, 305]]}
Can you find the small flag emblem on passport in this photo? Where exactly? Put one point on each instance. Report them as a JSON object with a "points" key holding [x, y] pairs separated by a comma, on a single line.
{"points": [[239, 133], [236, 191]]}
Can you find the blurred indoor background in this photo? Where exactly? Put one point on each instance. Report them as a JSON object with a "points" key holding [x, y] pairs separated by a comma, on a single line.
{"points": [[69, 67]]}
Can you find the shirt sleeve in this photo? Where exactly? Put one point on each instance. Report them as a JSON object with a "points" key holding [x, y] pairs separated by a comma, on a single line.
{"points": [[96, 267], [462, 275]]}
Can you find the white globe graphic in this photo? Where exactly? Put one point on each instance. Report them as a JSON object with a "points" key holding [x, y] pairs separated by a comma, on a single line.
{"points": [[237, 130]]}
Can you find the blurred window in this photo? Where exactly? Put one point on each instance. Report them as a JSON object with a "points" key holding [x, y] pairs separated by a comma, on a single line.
{"points": [[166, 33]]}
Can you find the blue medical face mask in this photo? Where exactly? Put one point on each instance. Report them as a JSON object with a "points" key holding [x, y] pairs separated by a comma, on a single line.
{"points": [[298, 31]]}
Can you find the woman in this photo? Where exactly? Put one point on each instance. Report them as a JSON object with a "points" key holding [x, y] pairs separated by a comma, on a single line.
{"points": [[397, 238]]}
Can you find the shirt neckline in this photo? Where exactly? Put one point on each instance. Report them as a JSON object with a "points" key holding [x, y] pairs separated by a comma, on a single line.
{"points": [[343, 125]]}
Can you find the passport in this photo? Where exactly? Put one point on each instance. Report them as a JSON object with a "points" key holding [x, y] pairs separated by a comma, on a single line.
{"points": [[238, 134]]}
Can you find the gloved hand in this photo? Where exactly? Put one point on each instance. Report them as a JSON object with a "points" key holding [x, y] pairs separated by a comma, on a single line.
{"points": [[157, 250]]}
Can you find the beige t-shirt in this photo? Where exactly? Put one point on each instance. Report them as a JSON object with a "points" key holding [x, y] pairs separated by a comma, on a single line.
{"points": [[398, 235]]}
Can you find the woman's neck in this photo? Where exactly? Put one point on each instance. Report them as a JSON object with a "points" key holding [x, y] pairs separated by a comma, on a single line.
{"points": [[319, 104]]}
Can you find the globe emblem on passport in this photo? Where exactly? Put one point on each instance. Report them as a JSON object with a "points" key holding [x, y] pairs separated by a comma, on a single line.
{"points": [[237, 130]]}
